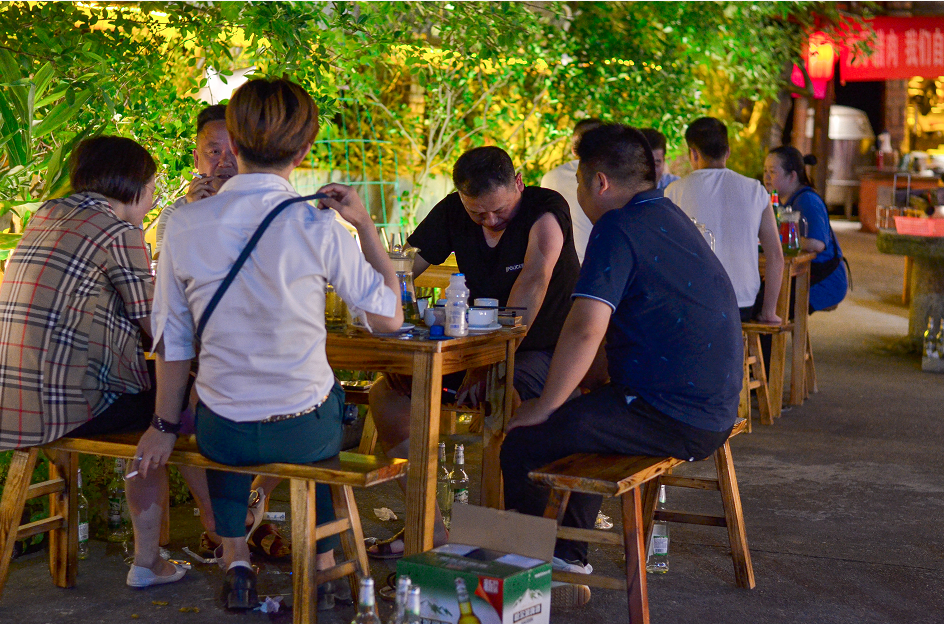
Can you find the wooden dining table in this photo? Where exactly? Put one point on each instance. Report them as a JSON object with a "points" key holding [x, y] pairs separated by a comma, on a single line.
{"points": [[427, 361], [798, 267]]}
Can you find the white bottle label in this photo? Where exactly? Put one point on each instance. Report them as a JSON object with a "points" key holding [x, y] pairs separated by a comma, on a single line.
{"points": [[456, 323], [660, 545], [83, 532], [461, 496]]}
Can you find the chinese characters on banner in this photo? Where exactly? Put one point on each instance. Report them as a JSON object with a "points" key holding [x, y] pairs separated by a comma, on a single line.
{"points": [[903, 47]]}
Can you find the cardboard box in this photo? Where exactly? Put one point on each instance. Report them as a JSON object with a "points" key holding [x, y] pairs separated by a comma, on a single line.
{"points": [[503, 561]]}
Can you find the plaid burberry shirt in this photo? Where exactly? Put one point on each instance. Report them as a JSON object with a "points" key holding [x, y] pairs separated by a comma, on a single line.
{"points": [[69, 343]]}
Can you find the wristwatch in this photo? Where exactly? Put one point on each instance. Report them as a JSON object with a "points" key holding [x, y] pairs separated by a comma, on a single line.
{"points": [[164, 426]]}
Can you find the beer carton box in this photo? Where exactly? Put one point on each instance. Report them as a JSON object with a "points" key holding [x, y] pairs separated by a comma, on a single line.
{"points": [[495, 570]]}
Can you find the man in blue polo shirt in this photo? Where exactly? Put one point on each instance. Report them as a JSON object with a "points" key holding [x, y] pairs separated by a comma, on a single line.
{"points": [[651, 286]]}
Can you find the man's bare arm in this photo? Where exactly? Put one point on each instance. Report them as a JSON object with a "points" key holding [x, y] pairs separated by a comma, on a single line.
{"points": [[576, 349], [773, 252], [545, 242]]}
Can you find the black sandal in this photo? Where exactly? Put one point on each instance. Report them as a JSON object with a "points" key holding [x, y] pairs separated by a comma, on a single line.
{"points": [[383, 547]]}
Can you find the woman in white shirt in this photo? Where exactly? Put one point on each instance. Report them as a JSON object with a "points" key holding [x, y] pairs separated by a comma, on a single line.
{"points": [[267, 393]]}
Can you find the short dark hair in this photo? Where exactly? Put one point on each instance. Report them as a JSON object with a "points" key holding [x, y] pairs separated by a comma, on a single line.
{"points": [[271, 121], [582, 127], [619, 151], [115, 167], [656, 139], [792, 160], [709, 136], [216, 112], [482, 169]]}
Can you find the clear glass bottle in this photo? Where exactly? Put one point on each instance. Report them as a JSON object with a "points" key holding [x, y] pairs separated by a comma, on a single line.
{"points": [[458, 479], [657, 555], [117, 529], [929, 339], [443, 491], [413, 606], [775, 204], [939, 341], [366, 609], [82, 506], [466, 614], [399, 608]]}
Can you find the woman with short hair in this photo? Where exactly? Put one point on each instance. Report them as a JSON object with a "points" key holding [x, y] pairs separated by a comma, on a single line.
{"points": [[267, 393], [74, 302]]}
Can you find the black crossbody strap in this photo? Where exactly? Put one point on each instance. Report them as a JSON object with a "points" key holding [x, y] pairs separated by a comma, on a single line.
{"points": [[244, 255]]}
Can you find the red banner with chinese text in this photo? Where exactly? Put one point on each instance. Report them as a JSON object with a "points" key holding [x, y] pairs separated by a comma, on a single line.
{"points": [[903, 47]]}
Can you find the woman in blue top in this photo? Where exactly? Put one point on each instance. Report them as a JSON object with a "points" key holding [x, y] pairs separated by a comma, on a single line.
{"points": [[785, 172]]}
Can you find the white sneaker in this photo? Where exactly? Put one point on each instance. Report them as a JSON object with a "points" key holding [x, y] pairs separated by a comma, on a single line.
{"points": [[570, 566], [144, 577], [568, 595]]}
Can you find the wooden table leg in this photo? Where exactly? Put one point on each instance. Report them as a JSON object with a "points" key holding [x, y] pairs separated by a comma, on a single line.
{"points": [[64, 542], [801, 318], [493, 434], [638, 597], [304, 564], [906, 282], [778, 361], [423, 455]]}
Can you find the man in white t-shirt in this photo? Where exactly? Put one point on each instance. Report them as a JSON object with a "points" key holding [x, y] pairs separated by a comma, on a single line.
{"points": [[563, 179], [737, 210]]}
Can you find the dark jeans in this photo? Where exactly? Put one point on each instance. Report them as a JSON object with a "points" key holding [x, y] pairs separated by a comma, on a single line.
{"points": [[311, 437], [609, 420]]}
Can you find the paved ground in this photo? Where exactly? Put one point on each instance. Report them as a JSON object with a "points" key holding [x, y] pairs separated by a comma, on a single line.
{"points": [[843, 500]]}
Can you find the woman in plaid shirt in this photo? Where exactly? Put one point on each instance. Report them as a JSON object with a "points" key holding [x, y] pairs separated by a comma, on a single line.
{"points": [[74, 302]]}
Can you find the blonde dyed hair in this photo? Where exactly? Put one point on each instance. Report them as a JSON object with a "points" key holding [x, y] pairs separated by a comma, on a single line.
{"points": [[271, 121]]}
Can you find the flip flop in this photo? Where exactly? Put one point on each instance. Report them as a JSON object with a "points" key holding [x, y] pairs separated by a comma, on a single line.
{"points": [[384, 550]]}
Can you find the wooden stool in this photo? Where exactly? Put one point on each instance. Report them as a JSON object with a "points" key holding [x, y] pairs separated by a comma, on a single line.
{"points": [[621, 475], [774, 385], [341, 473], [755, 378]]}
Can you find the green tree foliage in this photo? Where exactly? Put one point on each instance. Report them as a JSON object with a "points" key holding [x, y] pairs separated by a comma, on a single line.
{"points": [[442, 76]]}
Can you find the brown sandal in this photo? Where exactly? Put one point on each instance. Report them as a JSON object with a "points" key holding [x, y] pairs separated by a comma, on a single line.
{"points": [[266, 540]]}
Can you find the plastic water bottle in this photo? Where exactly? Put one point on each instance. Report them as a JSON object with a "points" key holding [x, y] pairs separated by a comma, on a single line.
{"points": [[82, 506], [458, 479], [366, 611], [657, 559], [443, 491], [457, 306]]}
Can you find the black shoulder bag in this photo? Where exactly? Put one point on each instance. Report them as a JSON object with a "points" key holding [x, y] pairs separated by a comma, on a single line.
{"points": [[244, 255]]}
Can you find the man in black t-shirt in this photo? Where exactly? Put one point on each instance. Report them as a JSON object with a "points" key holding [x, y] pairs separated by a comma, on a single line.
{"points": [[653, 287], [514, 244]]}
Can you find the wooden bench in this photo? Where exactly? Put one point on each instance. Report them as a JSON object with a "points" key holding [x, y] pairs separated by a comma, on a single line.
{"points": [[342, 473], [625, 476]]}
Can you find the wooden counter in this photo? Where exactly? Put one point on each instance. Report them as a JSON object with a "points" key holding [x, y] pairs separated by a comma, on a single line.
{"points": [[872, 180]]}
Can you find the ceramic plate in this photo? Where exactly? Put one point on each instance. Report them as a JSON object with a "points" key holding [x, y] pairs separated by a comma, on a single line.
{"points": [[403, 329], [484, 330]]}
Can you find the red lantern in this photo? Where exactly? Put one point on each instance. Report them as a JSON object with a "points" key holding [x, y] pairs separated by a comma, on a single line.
{"points": [[820, 64]]}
